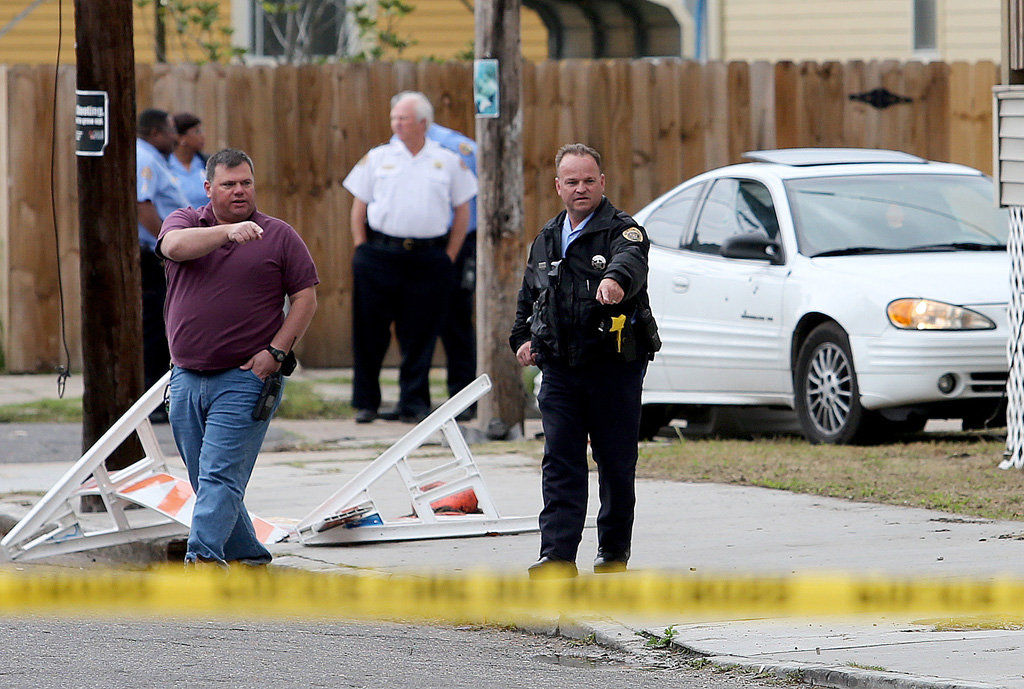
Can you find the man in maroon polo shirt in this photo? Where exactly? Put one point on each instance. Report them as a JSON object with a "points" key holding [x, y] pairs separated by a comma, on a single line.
{"points": [[229, 268]]}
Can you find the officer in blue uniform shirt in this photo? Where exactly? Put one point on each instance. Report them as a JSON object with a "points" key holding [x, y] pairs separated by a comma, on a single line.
{"points": [[158, 195], [458, 334]]}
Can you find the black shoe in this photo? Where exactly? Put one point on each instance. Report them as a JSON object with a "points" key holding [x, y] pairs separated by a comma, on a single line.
{"points": [[466, 415], [402, 415], [365, 415], [610, 563], [549, 567], [389, 415], [158, 415]]}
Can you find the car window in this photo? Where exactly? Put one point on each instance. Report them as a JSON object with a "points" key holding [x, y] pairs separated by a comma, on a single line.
{"points": [[667, 225], [895, 213], [734, 206]]}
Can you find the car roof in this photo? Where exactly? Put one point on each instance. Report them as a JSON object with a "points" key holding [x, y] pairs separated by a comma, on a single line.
{"points": [[793, 163], [831, 156]]}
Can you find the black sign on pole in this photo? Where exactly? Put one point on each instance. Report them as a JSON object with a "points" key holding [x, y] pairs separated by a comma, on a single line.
{"points": [[91, 123]]}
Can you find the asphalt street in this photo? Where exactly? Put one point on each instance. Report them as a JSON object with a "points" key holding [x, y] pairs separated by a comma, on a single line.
{"points": [[85, 654]]}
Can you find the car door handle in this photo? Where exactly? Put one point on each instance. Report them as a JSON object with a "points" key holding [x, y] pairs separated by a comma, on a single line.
{"points": [[680, 284]]}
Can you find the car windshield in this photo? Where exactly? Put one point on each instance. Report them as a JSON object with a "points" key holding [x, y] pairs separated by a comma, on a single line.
{"points": [[860, 214]]}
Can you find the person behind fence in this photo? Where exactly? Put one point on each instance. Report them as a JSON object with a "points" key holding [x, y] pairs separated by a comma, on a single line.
{"points": [[407, 193], [583, 316], [458, 332], [188, 162], [157, 195], [229, 269]]}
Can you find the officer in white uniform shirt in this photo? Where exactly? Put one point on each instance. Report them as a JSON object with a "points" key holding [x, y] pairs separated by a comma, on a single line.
{"points": [[406, 194]]}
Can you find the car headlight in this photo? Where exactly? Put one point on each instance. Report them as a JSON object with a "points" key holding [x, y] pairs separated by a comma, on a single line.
{"points": [[925, 314]]}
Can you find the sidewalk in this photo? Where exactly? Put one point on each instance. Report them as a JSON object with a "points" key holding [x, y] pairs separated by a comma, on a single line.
{"points": [[703, 528]]}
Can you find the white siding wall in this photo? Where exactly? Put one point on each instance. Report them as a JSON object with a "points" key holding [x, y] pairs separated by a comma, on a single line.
{"points": [[970, 30], [854, 29]]}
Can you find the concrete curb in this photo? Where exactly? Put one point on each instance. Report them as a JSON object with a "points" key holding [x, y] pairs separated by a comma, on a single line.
{"points": [[627, 639]]}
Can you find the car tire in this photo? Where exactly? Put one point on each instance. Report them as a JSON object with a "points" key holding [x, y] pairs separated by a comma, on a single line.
{"points": [[827, 397]]}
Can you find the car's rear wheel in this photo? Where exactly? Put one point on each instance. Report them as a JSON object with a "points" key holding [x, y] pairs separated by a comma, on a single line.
{"points": [[827, 396]]}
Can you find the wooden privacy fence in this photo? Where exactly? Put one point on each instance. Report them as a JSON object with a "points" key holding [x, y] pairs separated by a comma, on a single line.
{"points": [[656, 122]]}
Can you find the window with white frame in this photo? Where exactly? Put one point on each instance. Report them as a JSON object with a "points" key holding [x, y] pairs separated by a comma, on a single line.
{"points": [[925, 26], [299, 30]]}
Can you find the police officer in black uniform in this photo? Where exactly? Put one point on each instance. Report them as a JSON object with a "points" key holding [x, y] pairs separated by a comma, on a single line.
{"points": [[584, 318]]}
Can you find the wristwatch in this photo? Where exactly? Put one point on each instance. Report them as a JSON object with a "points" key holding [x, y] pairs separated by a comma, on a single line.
{"points": [[278, 354]]}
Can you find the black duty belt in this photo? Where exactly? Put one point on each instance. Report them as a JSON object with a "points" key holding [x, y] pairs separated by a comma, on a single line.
{"points": [[407, 243]]}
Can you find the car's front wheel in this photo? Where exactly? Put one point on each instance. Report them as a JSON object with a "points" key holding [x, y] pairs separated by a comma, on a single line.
{"points": [[827, 397]]}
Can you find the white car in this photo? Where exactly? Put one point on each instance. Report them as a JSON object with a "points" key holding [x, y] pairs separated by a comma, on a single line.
{"points": [[866, 289]]}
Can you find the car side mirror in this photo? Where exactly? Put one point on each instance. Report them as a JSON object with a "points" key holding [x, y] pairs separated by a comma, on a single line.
{"points": [[753, 245]]}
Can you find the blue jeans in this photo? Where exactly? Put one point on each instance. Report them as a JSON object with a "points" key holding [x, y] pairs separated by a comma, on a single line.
{"points": [[211, 417]]}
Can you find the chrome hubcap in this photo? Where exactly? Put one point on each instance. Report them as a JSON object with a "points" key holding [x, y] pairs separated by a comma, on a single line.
{"points": [[829, 389]]}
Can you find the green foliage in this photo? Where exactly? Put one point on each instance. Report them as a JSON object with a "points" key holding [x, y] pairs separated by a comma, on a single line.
{"points": [[67, 410], [377, 31], [302, 402], [196, 24], [468, 53], [665, 640]]}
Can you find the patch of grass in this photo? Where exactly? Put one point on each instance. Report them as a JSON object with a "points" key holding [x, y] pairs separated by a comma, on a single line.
{"points": [[302, 402], [955, 472], [65, 410], [973, 624], [861, 666], [588, 640]]}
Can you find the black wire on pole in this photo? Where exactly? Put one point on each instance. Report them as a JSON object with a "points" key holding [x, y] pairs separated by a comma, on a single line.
{"points": [[63, 370]]}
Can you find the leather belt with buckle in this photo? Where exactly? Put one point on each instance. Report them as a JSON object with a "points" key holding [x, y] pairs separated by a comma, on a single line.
{"points": [[405, 243]]}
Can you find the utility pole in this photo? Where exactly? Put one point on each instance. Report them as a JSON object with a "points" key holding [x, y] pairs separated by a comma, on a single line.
{"points": [[500, 236], [111, 283]]}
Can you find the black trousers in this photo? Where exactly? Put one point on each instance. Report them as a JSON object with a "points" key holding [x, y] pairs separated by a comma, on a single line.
{"points": [[600, 401], [156, 358], [458, 334], [407, 288]]}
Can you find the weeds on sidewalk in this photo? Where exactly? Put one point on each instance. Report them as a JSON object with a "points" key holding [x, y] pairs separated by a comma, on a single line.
{"points": [[664, 640]]}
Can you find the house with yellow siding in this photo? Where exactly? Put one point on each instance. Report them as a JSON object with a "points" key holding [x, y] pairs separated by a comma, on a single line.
{"points": [[29, 31], [709, 29]]}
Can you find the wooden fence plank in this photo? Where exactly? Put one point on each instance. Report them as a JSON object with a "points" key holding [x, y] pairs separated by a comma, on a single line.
{"points": [[644, 134], [716, 135], [936, 111], [787, 76], [855, 113], [694, 118], [762, 106], [738, 121]]}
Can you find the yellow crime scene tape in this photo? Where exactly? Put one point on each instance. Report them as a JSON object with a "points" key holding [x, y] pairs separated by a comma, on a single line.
{"points": [[488, 597]]}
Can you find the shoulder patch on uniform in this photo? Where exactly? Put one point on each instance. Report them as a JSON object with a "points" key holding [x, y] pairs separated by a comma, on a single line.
{"points": [[462, 164], [465, 149], [633, 234], [147, 172]]}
